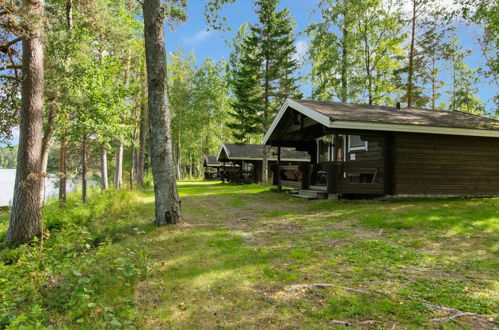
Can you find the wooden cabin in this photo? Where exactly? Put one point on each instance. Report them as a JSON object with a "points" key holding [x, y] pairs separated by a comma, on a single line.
{"points": [[375, 150], [243, 163], [212, 168]]}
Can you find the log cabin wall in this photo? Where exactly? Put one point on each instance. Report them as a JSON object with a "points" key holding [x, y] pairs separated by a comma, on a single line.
{"points": [[365, 175], [427, 164]]}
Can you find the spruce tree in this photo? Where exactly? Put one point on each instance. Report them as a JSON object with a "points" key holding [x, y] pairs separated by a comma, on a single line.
{"points": [[244, 82], [263, 64], [273, 37]]}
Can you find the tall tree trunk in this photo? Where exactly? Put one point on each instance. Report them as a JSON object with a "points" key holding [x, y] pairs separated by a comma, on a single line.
{"points": [[47, 137], [64, 140], [118, 171], [367, 54], [190, 167], [265, 165], [69, 14], [103, 169], [118, 174], [84, 168], [179, 159], [167, 202], [410, 78], [62, 168], [132, 166], [25, 216], [433, 83], [344, 64], [142, 146], [265, 162]]}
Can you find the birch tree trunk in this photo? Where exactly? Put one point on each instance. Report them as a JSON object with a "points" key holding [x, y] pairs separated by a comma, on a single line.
{"points": [[84, 169], [26, 208], [62, 168], [64, 141], [265, 166], [132, 165], [103, 169], [167, 203], [118, 174], [47, 137], [142, 147], [118, 171]]}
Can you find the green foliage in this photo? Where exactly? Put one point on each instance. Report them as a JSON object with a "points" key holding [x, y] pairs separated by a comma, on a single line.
{"points": [[464, 80], [199, 102], [8, 157], [356, 51], [484, 15], [80, 260]]}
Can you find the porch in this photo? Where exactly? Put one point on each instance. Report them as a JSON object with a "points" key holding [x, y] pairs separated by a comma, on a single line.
{"points": [[333, 178]]}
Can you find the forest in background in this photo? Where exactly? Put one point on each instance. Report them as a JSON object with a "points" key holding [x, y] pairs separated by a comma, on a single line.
{"points": [[372, 52]]}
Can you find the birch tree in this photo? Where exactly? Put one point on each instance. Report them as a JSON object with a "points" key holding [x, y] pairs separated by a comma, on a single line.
{"points": [[167, 202]]}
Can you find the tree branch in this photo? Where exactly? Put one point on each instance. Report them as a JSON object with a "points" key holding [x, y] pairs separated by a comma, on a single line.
{"points": [[10, 67], [5, 47], [8, 77]]}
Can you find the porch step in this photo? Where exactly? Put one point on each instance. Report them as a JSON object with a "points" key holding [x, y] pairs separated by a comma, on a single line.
{"points": [[318, 188], [308, 198], [312, 194]]}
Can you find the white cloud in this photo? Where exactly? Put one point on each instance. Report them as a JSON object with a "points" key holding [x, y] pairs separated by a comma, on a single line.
{"points": [[302, 47], [198, 37]]}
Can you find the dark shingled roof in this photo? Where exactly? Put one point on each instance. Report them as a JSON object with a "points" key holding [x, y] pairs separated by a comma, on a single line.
{"points": [[211, 161], [389, 115], [255, 151]]}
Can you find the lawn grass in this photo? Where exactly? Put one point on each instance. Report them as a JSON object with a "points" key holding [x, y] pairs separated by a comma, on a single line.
{"points": [[235, 259]]}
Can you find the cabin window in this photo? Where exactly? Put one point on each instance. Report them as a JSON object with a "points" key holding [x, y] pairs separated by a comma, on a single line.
{"points": [[324, 148], [248, 167], [340, 150], [356, 143]]}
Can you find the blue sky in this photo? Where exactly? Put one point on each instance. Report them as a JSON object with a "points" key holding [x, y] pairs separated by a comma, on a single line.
{"points": [[193, 34]]}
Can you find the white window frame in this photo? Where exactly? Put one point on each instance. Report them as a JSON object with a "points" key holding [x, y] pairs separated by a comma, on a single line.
{"points": [[329, 150], [345, 137], [364, 147], [332, 148]]}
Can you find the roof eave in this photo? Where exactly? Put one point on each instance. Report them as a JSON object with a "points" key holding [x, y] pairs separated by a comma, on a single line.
{"points": [[370, 126]]}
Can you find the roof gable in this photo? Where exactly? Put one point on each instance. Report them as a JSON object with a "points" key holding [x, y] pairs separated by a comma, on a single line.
{"points": [[211, 161]]}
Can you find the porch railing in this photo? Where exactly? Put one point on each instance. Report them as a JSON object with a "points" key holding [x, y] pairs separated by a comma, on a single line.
{"points": [[350, 177]]}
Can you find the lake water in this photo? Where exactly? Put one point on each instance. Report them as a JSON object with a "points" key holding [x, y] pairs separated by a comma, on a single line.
{"points": [[8, 178]]}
